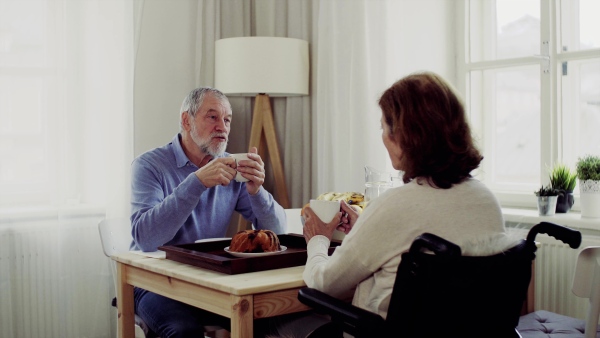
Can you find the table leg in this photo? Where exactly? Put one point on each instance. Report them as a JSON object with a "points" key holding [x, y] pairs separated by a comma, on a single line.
{"points": [[242, 317], [125, 306]]}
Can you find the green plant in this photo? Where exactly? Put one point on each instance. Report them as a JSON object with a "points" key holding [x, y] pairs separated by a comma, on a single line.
{"points": [[562, 178], [547, 191], [588, 168]]}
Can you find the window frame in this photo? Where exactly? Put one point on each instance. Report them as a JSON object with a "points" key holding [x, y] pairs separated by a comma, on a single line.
{"points": [[552, 134]]}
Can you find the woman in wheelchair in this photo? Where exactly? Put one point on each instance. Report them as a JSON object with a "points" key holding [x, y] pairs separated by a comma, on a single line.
{"points": [[428, 138]]}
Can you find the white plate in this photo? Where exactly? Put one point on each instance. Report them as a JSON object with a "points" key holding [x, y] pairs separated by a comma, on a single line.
{"points": [[255, 254], [212, 239]]}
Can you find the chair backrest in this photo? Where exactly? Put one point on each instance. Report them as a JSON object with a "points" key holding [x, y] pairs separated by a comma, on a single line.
{"points": [[586, 284], [115, 235]]}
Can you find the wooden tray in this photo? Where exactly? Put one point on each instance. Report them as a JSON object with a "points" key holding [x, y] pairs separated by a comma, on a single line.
{"points": [[211, 255]]}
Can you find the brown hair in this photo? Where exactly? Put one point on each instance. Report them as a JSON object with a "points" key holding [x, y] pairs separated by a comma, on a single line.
{"points": [[427, 120]]}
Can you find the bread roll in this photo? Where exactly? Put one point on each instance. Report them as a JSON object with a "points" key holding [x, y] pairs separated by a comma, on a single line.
{"points": [[254, 241]]}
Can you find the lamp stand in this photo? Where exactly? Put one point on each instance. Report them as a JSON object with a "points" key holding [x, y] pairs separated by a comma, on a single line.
{"points": [[262, 121]]}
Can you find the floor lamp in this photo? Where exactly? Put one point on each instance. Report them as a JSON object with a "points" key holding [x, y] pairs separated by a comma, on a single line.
{"points": [[263, 67]]}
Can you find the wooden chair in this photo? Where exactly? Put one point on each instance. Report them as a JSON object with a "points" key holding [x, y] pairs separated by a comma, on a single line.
{"points": [[115, 237]]}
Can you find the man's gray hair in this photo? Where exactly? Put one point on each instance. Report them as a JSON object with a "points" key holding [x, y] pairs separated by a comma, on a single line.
{"points": [[194, 99]]}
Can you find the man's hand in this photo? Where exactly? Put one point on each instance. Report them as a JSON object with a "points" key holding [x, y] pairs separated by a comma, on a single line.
{"points": [[219, 171], [253, 170]]}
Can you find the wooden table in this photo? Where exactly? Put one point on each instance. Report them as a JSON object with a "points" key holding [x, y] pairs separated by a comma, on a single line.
{"points": [[242, 297]]}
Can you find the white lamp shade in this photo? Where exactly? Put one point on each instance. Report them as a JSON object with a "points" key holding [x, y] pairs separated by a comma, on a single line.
{"points": [[246, 66]]}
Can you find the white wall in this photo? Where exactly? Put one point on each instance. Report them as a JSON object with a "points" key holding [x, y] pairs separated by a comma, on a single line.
{"points": [[426, 29], [426, 40], [164, 70]]}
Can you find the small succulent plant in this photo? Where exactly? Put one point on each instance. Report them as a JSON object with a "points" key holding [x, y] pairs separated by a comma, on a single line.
{"points": [[547, 191]]}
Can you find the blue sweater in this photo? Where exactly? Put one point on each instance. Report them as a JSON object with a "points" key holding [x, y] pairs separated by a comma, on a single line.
{"points": [[170, 206]]}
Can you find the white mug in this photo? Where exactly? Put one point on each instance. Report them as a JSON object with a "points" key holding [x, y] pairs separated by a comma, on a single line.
{"points": [[240, 157], [325, 210]]}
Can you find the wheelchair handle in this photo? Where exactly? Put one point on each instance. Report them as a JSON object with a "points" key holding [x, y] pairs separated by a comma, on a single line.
{"points": [[562, 233]]}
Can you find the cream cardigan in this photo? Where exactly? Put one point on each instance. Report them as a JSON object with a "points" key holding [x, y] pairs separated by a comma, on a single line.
{"points": [[367, 260]]}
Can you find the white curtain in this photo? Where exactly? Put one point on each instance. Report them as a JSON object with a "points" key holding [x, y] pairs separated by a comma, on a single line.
{"points": [[354, 57], [66, 108]]}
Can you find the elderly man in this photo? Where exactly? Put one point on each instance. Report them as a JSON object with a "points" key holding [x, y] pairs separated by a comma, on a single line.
{"points": [[185, 191]]}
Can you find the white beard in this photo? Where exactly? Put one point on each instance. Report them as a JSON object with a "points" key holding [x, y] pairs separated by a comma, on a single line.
{"points": [[205, 145]]}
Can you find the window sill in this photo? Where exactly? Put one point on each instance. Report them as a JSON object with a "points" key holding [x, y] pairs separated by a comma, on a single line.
{"points": [[571, 219]]}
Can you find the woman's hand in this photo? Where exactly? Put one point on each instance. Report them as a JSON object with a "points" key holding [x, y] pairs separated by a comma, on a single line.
{"points": [[314, 226], [349, 217]]}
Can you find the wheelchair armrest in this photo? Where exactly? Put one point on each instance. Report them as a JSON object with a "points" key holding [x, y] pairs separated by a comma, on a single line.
{"points": [[351, 318]]}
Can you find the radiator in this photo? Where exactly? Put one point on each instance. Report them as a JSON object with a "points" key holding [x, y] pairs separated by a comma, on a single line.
{"points": [[554, 269], [54, 280]]}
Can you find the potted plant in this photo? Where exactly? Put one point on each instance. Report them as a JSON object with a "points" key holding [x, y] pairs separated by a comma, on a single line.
{"points": [[547, 197], [563, 180], [588, 172]]}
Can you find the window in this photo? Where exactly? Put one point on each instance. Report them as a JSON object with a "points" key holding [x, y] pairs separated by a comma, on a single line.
{"points": [[26, 68], [531, 73], [65, 102]]}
